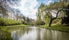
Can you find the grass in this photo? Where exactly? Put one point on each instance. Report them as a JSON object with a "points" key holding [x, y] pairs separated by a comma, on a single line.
{"points": [[12, 28], [5, 31], [62, 28]]}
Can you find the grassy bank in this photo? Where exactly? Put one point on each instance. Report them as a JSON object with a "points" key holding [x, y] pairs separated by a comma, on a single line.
{"points": [[62, 28], [5, 31], [12, 28]]}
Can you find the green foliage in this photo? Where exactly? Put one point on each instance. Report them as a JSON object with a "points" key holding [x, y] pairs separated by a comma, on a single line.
{"points": [[4, 21], [42, 7], [39, 22], [46, 18], [56, 5], [25, 22], [53, 6]]}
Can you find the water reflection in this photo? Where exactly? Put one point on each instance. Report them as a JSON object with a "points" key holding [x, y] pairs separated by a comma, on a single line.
{"points": [[35, 33]]}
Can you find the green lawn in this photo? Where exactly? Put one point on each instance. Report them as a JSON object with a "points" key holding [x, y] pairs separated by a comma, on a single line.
{"points": [[57, 27], [12, 28]]}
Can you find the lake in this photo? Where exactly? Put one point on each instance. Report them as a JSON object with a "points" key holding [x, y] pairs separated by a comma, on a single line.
{"points": [[36, 33]]}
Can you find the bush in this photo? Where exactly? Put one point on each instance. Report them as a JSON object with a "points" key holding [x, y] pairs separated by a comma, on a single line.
{"points": [[5, 22], [39, 23]]}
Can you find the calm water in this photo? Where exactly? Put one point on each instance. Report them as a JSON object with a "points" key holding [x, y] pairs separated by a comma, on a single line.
{"points": [[36, 33]]}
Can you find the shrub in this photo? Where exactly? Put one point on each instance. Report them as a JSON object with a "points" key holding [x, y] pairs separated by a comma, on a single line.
{"points": [[25, 22], [4, 21], [39, 23]]}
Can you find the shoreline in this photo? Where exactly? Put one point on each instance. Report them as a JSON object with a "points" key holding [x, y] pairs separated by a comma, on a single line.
{"points": [[61, 28], [5, 31]]}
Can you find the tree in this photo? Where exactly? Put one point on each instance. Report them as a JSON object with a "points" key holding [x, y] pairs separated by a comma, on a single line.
{"points": [[58, 6], [63, 0]]}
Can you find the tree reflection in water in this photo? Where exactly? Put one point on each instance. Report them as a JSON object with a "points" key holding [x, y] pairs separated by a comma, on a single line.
{"points": [[35, 33]]}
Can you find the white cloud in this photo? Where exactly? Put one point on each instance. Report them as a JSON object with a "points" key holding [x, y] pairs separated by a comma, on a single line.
{"points": [[28, 9]]}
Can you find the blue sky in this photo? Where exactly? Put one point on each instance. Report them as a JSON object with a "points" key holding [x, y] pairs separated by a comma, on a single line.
{"points": [[29, 7]]}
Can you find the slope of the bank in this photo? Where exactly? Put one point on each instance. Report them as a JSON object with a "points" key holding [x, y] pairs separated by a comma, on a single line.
{"points": [[62, 28]]}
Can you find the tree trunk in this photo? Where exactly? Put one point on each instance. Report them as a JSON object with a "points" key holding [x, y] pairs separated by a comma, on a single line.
{"points": [[51, 19]]}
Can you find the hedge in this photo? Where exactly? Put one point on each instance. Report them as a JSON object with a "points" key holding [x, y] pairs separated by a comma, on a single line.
{"points": [[4, 21]]}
